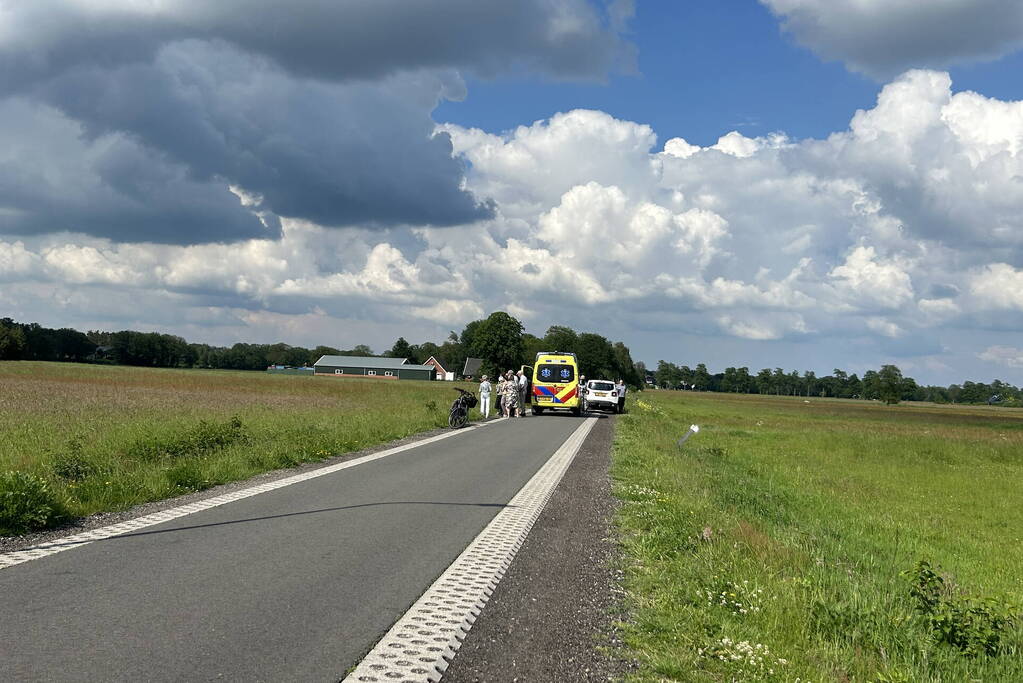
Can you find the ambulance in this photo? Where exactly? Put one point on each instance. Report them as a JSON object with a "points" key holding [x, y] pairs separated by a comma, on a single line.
{"points": [[554, 383]]}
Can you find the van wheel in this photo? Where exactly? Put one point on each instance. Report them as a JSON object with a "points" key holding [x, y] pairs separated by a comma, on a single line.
{"points": [[537, 410], [577, 411]]}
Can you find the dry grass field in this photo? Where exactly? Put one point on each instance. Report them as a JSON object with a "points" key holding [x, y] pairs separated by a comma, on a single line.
{"points": [[107, 437]]}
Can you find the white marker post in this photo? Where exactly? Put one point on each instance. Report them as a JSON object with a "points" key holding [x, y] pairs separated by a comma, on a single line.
{"points": [[692, 430]]}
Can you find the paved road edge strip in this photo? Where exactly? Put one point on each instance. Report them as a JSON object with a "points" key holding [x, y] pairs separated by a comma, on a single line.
{"points": [[78, 540], [423, 641]]}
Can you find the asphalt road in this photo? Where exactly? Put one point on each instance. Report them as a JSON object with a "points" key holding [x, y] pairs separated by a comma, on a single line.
{"points": [[295, 584]]}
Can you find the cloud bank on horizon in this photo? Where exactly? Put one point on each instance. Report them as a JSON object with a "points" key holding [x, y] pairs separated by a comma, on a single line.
{"points": [[183, 166]]}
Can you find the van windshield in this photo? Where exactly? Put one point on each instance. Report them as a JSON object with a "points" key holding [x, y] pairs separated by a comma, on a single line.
{"points": [[554, 373]]}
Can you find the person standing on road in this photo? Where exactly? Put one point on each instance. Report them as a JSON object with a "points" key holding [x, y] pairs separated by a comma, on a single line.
{"points": [[500, 394], [485, 390], [520, 382], [620, 392], [511, 394]]}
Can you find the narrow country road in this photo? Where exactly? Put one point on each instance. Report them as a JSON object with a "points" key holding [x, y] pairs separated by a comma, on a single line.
{"points": [[295, 584]]}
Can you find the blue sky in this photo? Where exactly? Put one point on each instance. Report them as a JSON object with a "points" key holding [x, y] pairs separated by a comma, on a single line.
{"points": [[347, 173], [707, 67]]}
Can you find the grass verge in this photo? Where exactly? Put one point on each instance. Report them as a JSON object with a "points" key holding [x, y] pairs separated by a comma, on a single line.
{"points": [[80, 439], [821, 540]]}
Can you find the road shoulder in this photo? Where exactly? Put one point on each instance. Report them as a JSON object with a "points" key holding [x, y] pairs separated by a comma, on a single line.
{"points": [[553, 615]]}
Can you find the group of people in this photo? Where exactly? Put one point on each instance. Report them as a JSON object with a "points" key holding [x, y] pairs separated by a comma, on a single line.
{"points": [[511, 394]]}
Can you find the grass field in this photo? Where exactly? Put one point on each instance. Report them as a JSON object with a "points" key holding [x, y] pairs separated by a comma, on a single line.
{"points": [[105, 438], [773, 544]]}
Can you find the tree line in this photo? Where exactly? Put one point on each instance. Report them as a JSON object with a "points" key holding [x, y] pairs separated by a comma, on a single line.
{"points": [[30, 341], [886, 384], [501, 342]]}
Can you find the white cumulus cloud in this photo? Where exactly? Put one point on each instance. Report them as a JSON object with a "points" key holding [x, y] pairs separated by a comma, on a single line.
{"points": [[1009, 356], [899, 236]]}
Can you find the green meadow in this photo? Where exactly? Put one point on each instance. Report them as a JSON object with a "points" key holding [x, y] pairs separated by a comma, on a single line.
{"points": [[815, 540], [79, 439]]}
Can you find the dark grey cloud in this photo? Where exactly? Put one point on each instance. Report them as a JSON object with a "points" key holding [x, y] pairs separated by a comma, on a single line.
{"points": [[318, 110], [330, 39], [53, 180], [335, 154], [882, 38]]}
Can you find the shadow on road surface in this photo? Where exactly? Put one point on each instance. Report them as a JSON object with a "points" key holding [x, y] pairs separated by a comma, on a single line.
{"points": [[261, 519]]}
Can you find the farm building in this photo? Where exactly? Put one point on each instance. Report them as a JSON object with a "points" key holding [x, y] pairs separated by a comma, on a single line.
{"points": [[442, 374], [372, 366]]}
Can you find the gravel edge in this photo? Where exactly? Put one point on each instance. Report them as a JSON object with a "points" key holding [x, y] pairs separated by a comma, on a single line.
{"points": [[554, 614]]}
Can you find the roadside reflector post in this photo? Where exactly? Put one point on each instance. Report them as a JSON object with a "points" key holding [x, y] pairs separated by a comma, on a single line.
{"points": [[685, 437]]}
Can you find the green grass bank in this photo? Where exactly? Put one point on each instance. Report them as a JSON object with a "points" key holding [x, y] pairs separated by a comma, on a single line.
{"points": [[79, 439], [785, 540]]}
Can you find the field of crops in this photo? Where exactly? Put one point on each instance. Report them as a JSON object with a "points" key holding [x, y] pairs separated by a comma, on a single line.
{"points": [[815, 540], [92, 438]]}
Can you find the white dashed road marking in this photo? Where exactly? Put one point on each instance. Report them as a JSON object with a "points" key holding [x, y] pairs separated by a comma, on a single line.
{"points": [[78, 540], [422, 642]]}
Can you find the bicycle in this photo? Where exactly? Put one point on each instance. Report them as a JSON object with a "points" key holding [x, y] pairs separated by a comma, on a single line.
{"points": [[459, 415]]}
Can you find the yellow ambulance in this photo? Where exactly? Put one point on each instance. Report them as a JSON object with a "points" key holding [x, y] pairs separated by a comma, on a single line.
{"points": [[554, 383]]}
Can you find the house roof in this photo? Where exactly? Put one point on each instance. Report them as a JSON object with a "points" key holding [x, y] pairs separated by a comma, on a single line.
{"points": [[363, 361], [440, 366], [371, 362]]}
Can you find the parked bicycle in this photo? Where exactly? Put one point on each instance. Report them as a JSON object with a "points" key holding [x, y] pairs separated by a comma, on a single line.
{"points": [[459, 415]]}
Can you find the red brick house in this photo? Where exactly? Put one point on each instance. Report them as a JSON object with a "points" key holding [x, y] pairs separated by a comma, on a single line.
{"points": [[441, 372]]}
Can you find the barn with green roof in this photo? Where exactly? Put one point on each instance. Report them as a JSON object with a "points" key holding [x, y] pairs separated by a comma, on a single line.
{"points": [[372, 367]]}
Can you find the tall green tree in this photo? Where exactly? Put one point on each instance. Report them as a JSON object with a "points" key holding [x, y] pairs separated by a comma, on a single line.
{"points": [[701, 378], [891, 384], [359, 350], [12, 340], [561, 338], [624, 367], [468, 336], [533, 345], [745, 380], [498, 341], [451, 353], [402, 349], [595, 356], [667, 375], [811, 385], [871, 385]]}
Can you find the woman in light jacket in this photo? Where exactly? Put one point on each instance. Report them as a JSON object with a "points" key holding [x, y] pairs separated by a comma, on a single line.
{"points": [[485, 390]]}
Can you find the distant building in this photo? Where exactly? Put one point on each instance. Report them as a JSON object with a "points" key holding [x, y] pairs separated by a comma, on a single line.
{"points": [[372, 367], [441, 372], [289, 370]]}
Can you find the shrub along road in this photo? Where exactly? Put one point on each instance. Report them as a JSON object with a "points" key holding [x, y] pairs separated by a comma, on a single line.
{"points": [[294, 584]]}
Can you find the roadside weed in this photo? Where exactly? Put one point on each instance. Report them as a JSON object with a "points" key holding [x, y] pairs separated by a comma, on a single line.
{"points": [[27, 502]]}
